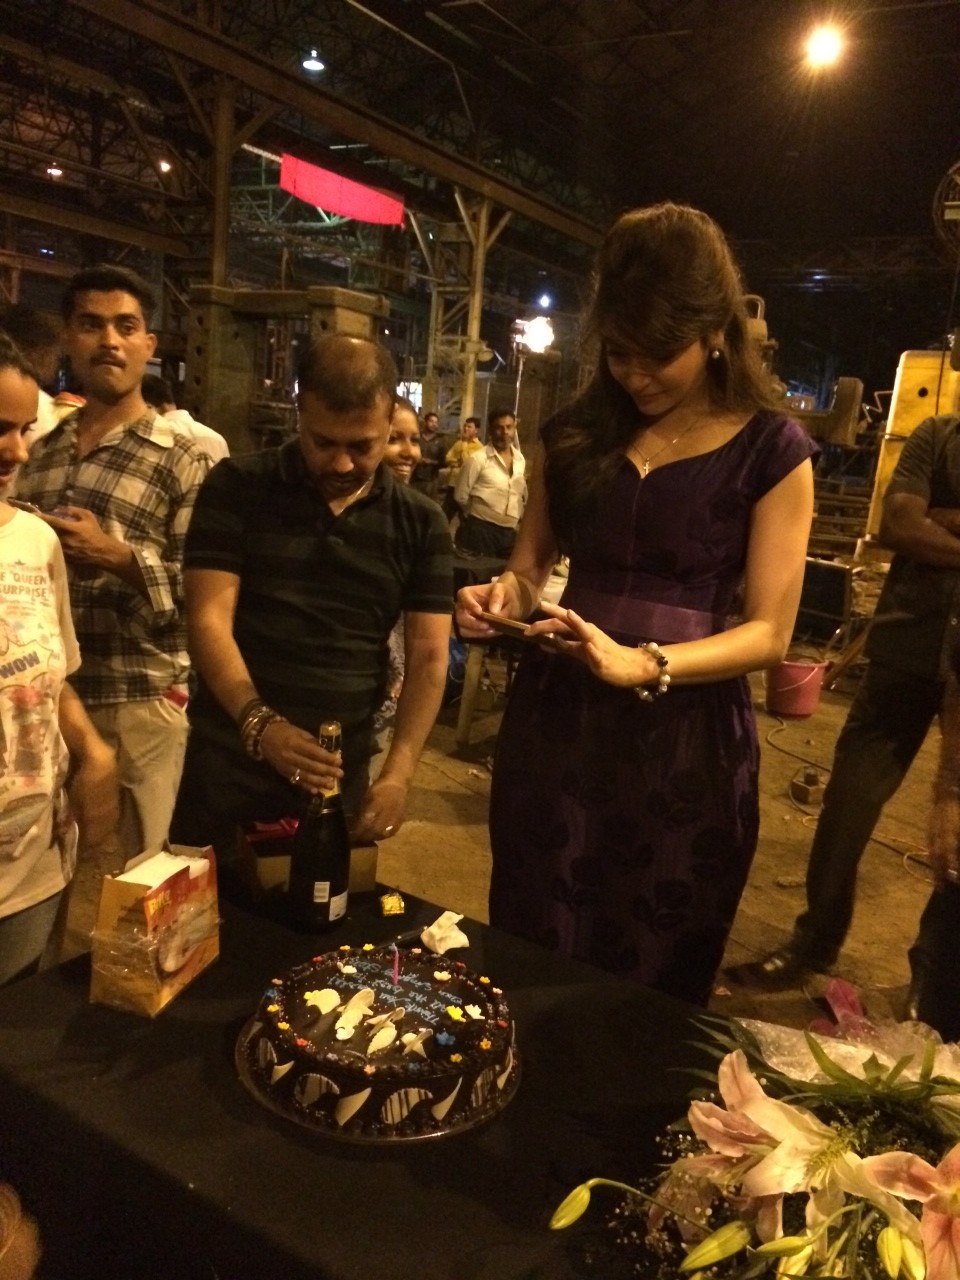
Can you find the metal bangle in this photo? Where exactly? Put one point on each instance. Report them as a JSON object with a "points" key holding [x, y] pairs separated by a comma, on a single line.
{"points": [[247, 710]]}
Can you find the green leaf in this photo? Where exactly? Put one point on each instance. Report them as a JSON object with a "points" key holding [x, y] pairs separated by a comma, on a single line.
{"points": [[873, 1069], [926, 1065], [898, 1068], [828, 1066], [572, 1208]]}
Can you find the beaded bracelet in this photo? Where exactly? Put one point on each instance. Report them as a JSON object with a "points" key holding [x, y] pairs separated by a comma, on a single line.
{"points": [[255, 723], [273, 718], [663, 682]]}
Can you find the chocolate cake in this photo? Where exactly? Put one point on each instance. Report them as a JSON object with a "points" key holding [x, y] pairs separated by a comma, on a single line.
{"points": [[379, 1044]]}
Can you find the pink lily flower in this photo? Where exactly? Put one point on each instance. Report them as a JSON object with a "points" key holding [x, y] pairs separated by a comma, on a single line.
{"points": [[783, 1148], [938, 1190]]}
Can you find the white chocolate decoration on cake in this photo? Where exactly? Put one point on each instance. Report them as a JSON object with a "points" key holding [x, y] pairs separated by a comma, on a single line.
{"points": [[375, 1045]]}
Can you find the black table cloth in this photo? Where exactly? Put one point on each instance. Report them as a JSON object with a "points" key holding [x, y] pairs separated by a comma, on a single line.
{"points": [[137, 1147]]}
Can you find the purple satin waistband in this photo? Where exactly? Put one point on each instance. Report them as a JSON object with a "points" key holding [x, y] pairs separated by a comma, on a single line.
{"points": [[644, 619]]}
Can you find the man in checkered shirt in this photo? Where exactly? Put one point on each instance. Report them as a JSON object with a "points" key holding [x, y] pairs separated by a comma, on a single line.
{"points": [[118, 484]]}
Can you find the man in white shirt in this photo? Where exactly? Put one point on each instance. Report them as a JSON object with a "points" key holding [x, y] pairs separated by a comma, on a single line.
{"points": [[492, 490], [158, 394]]}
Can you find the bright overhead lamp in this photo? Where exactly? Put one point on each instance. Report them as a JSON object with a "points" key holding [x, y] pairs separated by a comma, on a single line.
{"points": [[824, 46], [164, 166], [313, 63], [533, 335], [54, 171]]}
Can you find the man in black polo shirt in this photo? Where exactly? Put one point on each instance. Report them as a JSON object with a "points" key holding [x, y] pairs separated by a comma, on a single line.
{"points": [[298, 562]]}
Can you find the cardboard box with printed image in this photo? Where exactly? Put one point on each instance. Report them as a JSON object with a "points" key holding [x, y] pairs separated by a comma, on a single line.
{"points": [[158, 927]]}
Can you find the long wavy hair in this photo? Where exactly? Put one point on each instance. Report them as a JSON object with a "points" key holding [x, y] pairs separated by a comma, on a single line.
{"points": [[11, 357], [664, 278]]}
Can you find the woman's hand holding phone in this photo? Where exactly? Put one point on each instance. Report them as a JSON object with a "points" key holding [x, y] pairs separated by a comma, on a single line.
{"points": [[472, 603], [506, 626]]}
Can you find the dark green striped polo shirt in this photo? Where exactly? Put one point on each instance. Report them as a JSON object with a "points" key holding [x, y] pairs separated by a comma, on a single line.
{"points": [[319, 593]]}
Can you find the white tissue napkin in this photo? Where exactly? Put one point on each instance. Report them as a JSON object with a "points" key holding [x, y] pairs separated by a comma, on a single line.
{"points": [[443, 934]]}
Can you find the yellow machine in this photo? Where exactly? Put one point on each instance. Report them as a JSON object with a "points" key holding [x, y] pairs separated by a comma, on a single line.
{"points": [[925, 385]]}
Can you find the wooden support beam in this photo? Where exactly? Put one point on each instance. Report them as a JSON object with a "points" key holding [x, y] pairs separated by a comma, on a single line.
{"points": [[35, 266], [254, 124], [88, 224]]}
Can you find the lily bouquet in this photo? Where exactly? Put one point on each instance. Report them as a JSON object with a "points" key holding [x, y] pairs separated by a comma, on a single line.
{"points": [[809, 1155]]}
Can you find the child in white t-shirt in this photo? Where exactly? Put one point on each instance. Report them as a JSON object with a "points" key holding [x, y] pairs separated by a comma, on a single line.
{"points": [[43, 726]]}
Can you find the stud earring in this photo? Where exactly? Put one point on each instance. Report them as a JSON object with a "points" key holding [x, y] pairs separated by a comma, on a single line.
{"points": [[715, 353]]}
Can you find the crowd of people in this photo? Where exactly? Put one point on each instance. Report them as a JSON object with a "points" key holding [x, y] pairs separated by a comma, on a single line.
{"points": [[178, 620]]}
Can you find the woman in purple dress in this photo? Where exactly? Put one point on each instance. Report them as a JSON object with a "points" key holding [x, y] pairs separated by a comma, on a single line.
{"points": [[624, 809]]}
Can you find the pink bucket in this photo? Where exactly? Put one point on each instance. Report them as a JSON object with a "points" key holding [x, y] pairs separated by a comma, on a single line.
{"points": [[793, 688]]}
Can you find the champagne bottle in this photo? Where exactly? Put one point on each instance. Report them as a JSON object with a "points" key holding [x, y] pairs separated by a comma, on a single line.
{"points": [[320, 853]]}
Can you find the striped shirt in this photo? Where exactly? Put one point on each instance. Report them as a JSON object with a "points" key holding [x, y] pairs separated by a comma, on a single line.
{"points": [[140, 481], [319, 593]]}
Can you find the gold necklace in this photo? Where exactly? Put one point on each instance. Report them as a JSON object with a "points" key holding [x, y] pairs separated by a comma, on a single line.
{"points": [[645, 461]]}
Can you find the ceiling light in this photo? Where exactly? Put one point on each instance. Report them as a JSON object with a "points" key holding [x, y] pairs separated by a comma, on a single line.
{"points": [[54, 171], [313, 63], [824, 46], [164, 166]]}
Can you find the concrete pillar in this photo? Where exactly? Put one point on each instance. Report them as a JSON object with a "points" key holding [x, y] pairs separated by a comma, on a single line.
{"points": [[221, 379], [335, 310]]}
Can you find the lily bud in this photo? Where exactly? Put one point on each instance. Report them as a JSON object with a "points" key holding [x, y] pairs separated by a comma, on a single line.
{"points": [[890, 1251], [798, 1265], [572, 1208], [722, 1243], [912, 1261], [785, 1247]]}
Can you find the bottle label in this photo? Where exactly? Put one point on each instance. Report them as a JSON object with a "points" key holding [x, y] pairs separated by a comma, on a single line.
{"points": [[321, 890], [338, 905]]}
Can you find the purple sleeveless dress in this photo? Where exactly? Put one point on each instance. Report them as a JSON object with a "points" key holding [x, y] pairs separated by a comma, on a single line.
{"points": [[623, 831]]}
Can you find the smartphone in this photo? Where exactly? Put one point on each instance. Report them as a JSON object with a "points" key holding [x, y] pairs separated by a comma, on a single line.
{"points": [[507, 626]]}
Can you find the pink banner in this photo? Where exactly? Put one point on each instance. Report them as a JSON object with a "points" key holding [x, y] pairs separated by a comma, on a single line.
{"points": [[333, 194]]}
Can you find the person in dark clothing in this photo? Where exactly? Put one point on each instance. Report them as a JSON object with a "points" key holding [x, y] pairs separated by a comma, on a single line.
{"points": [[909, 648], [433, 453], [938, 988], [299, 562], [624, 809]]}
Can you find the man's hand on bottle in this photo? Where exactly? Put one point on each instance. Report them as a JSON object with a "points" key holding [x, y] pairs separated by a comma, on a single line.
{"points": [[381, 814], [298, 756]]}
